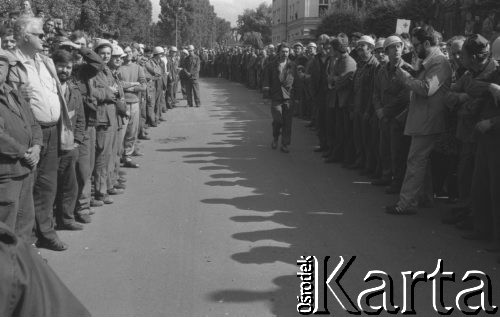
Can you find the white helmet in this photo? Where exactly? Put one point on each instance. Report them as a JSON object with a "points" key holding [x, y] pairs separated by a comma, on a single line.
{"points": [[495, 49]]}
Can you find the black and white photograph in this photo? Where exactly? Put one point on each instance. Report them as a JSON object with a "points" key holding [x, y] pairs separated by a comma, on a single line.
{"points": [[249, 158]]}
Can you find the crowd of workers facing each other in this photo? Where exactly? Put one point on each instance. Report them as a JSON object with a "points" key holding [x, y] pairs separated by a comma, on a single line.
{"points": [[72, 111], [418, 116]]}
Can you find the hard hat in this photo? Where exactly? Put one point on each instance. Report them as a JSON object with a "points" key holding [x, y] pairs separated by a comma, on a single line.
{"points": [[185, 52], [118, 51], [391, 40], [173, 49], [379, 43], [158, 50], [298, 44], [190, 48], [495, 49], [366, 39], [312, 44]]}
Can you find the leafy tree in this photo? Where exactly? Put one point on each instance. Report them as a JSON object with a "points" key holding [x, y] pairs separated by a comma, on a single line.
{"points": [[222, 30], [346, 21], [253, 38], [381, 20], [257, 20]]}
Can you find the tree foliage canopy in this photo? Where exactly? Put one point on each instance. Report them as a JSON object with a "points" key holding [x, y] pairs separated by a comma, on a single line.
{"points": [[197, 23], [257, 20], [131, 17]]}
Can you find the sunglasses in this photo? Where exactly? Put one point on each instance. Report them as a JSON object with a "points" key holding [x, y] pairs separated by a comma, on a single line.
{"points": [[39, 35]]}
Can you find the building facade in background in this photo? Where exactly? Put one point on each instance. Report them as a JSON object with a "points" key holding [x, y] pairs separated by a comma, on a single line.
{"points": [[296, 20]]}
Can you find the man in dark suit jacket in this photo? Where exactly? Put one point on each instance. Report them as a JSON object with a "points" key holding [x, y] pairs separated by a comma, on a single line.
{"points": [[278, 80], [20, 144], [190, 73]]}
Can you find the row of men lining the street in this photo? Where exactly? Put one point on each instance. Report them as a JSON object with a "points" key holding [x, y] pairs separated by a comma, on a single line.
{"points": [[409, 115], [71, 121]]}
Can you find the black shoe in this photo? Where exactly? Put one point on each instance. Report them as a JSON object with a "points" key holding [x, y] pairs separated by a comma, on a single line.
{"points": [[115, 191], [392, 190], [144, 137], [455, 215], [465, 224], [72, 226], [331, 159], [320, 149], [381, 182], [54, 245], [130, 164], [137, 153], [120, 186], [96, 203], [474, 236], [285, 149], [326, 154], [83, 216], [395, 210]]}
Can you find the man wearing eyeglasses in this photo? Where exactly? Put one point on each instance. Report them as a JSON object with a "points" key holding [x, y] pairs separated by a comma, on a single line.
{"points": [[425, 120], [35, 77]]}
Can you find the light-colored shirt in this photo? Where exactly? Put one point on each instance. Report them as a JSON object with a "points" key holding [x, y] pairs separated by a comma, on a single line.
{"points": [[45, 103]]}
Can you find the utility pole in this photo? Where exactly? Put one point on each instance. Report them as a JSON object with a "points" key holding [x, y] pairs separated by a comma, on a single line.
{"points": [[175, 28], [286, 21]]}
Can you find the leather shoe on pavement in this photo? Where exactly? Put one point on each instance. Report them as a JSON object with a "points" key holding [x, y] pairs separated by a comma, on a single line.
{"points": [[72, 226], [54, 245], [115, 191], [96, 203], [285, 149], [381, 182], [130, 164]]}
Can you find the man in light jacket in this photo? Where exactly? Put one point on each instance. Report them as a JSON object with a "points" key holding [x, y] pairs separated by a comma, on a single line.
{"points": [[426, 119], [35, 77]]}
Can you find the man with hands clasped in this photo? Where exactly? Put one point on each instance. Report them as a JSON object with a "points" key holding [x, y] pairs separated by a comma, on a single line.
{"points": [[20, 144]]}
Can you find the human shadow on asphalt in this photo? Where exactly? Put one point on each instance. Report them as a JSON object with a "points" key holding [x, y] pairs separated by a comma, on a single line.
{"points": [[318, 209]]}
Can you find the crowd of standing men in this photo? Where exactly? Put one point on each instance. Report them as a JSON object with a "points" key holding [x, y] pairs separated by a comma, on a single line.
{"points": [[72, 112], [417, 115]]}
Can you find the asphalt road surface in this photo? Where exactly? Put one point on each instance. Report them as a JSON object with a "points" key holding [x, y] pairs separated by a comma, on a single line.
{"points": [[214, 221]]}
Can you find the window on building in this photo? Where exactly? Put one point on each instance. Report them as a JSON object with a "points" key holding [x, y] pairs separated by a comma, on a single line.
{"points": [[323, 8]]}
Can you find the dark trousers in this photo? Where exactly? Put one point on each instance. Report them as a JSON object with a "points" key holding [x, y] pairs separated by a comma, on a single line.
{"points": [[465, 171], [67, 187], [143, 116], [282, 113], [183, 89], [160, 102], [344, 145], [358, 135], [394, 146], [45, 189], [193, 91], [486, 189], [321, 119], [330, 129], [105, 136], [150, 100], [17, 209]]}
